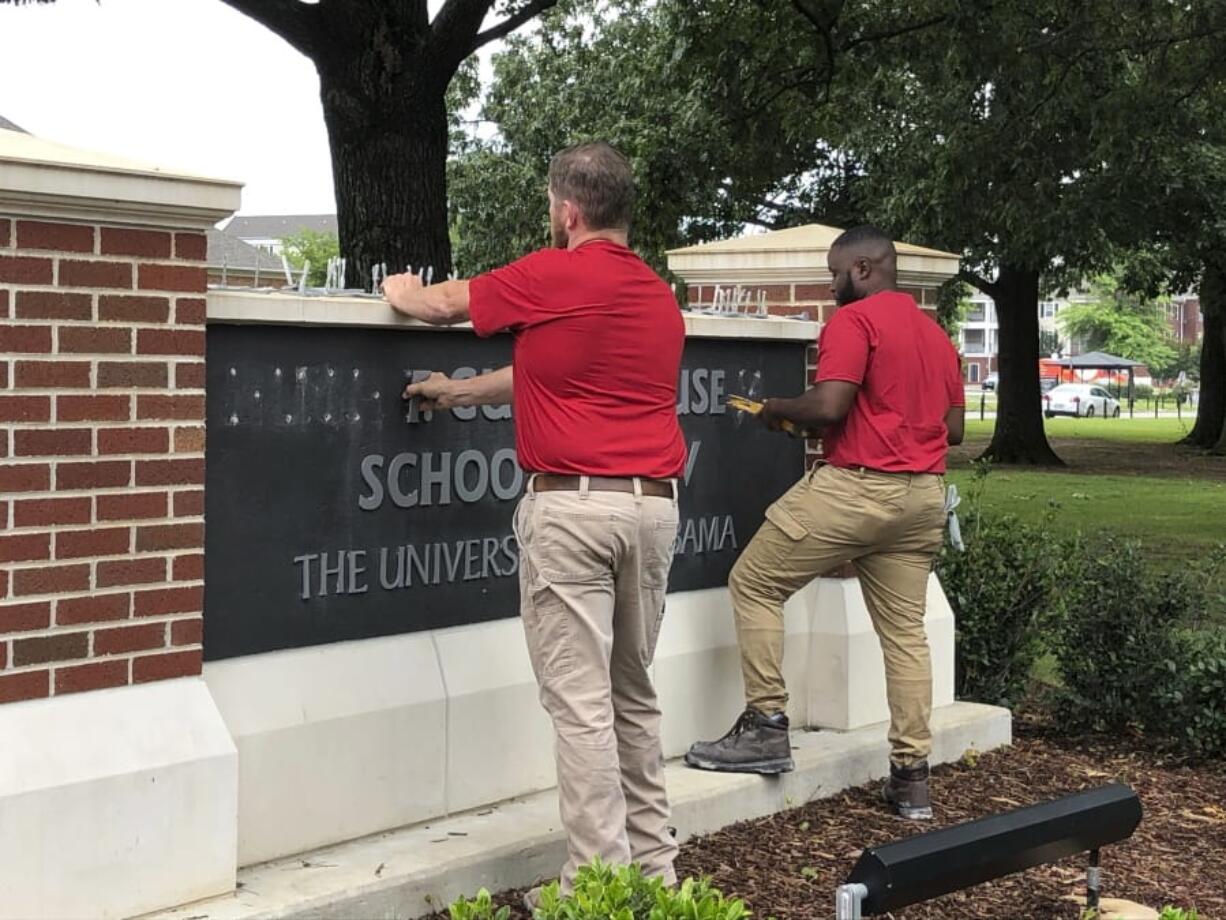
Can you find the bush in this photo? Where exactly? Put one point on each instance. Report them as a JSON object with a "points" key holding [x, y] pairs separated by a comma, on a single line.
{"points": [[1003, 593], [1133, 656], [603, 892]]}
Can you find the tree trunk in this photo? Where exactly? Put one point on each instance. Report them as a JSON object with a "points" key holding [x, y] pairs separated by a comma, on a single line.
{"points": [[1019, 436], [389, 144], [1209, 430]]}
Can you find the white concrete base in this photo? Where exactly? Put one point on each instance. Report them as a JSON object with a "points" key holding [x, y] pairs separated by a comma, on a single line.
{"points": [[116, 802], [340, 741], [415, 870], [847, 673]]}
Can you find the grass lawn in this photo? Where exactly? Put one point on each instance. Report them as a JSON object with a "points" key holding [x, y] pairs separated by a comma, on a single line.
{"points": [[1125, 477]]}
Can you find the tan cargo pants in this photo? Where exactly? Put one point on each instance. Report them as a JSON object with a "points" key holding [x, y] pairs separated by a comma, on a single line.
{"points": [[890, 526], [593, 574]]}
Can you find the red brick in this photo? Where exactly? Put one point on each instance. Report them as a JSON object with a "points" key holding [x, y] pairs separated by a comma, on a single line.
{"points": [[108, 474], [34, 234], [191, 246], [4, 584], [24, 547], [189, 440], [152, 244], [52, 374], [54, 305], [95, 340], [97, 675], [189, 376], [4, 655], [170, 472], [190, 311], [4, 442], [43, 512], [76, 544], [186, 408], [4, 375], [25, 409], [28, 685], [24, 270], [133, 506], [131, 374], [809, 293], [99, 608], [51, 580], [139, 638], [93, 409], [828, 311], [170, 342], [188, 278], [168, 600], [24, 617], [694, 294], [4, 304], [162, 667], [5, 234], [188, 568], [44, 649], [133, 440], [95, 274], [122, 572], [51, 442], [169, 536], [25, 477], [188, 504], [133, 309], [187, 632], [27, 339]]}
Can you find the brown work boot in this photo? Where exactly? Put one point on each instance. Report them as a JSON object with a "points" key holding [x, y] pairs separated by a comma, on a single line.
{"points": [[907, 791], [757, 743]]}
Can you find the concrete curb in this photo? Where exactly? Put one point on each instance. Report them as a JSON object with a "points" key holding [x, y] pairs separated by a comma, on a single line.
{"points": [[413, 871]]}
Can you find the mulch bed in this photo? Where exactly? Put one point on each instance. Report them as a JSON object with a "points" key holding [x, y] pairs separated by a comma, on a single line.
{"points": [[1116, 458], [787, 866]]}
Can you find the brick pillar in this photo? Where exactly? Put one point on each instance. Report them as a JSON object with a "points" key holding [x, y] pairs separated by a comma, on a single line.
{"points": [[101, 455]]}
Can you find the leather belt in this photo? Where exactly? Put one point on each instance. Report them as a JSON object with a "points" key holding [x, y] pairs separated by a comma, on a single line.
{"points": [[551, 482]]}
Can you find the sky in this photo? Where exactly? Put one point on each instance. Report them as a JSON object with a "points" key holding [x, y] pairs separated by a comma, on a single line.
{"points": [[184, 84]]}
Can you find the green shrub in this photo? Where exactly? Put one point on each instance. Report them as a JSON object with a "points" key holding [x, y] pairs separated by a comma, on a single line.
{"points": [[1191, 698], [1178, 913], [603, 892], [1003, 593]]}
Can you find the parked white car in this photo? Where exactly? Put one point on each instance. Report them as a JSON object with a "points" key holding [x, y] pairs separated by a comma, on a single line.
{"points": [[1080, 400]]}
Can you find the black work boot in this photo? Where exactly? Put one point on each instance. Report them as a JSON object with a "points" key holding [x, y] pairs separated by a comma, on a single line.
{"points": [[756, 744], [907, 791]]}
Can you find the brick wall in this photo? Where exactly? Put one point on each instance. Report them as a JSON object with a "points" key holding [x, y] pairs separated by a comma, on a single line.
{"points": [[101, 456], [811, 301]]}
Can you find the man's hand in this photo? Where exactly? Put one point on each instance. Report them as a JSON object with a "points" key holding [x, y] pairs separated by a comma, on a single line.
{"points": [[771, 416], [402, 290], [435, 392]]}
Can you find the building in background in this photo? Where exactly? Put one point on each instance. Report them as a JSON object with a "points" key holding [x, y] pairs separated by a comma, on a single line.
{"points": [[266, 231], [1187, 321], [235, 263]]}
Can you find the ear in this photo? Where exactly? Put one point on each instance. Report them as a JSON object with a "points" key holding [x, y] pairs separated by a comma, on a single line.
{"points": [[570, 214], [861, 268]]}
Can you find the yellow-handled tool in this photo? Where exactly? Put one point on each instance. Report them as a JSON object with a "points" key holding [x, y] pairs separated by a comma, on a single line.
{"points": [[754, 407]]}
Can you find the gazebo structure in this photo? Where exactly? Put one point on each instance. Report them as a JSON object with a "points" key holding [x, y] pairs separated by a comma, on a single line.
{"points": [[1101, 361]]}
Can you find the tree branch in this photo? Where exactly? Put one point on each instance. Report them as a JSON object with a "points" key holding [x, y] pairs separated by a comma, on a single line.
{"points": [[892, 33], [976, 280], [511, 23], [292, 20]]}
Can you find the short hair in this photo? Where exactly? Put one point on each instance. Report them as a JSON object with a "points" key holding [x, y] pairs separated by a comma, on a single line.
{"points": [[865, 235], [597, 177]]}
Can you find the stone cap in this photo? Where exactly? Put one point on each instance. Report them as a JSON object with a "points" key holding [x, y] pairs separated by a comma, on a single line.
{"points": [[796, 255], [47, 179]]}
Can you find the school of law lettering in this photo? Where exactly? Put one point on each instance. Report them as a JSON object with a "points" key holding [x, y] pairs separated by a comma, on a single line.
{"points": [[337, 511]]}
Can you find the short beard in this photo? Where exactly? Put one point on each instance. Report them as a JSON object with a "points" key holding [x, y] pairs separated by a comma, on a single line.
{"points": [[558, 235], [845, 293]]}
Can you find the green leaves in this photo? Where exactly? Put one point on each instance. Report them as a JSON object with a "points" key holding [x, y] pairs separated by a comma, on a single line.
{"points": [[603, 892]]}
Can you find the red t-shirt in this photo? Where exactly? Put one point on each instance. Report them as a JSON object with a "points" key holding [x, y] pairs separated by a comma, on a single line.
{"points": [[598, 341], [909, 376]]}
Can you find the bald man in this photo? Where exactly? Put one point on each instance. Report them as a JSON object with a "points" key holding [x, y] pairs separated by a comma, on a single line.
{"points": [[887, 402]]}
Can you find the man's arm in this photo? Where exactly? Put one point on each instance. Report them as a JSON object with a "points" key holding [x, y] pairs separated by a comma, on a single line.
{"points": [[819, 407], [438, 391], [442, 304], [955, 421]]}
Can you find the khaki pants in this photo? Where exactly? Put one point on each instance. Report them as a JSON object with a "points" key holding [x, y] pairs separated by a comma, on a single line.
{"points": [[890, 526], [593, 574]]}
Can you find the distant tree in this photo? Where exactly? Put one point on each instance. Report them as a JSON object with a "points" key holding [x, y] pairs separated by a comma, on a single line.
{"points": [[316, 248], [1122, 323]]}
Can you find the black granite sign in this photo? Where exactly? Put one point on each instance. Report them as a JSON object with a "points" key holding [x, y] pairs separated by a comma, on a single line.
{"points": [[336, 511]]}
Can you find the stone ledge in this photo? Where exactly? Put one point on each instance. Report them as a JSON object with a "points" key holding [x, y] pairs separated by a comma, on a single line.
{"points": [[412, 871]]}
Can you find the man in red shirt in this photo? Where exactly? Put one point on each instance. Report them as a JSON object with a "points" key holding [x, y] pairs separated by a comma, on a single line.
{"points": [[887, 401], [597, 355]]}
